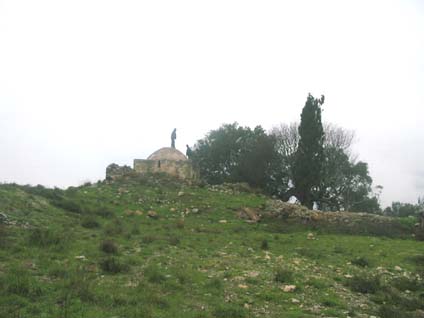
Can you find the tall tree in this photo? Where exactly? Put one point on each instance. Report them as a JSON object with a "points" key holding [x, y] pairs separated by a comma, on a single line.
{"points": [[307, 169]]}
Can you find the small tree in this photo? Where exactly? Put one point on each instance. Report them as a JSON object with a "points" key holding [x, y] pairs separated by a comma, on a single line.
{"points": [[307, 170]]}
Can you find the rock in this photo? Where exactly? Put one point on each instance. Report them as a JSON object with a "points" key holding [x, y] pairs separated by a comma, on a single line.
{"points": [[181, 193], [152, 214], [172, 209], [81, 257], [242, 286], [288, 288], [295, 301], [195, 210], [223, 221], [4, 219], [138, 212], [311, 236], [252, 274], [249, 214], [398, 268]]}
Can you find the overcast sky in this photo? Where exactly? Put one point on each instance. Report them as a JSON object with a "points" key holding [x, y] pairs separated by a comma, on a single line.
{"points": [[87, 83]]}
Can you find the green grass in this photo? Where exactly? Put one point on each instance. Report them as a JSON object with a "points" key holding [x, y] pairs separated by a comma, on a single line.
{"points": [[84, 252]]}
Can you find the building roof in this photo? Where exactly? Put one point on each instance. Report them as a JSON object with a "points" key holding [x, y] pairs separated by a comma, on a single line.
{"points": [[167, 153]]}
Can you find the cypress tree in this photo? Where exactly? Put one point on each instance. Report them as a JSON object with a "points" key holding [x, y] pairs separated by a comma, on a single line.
{"points": [[308, 165]]}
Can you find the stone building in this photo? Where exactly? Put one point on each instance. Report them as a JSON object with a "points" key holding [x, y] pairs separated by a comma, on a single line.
{"points": [[165, 160], [168, 160]]}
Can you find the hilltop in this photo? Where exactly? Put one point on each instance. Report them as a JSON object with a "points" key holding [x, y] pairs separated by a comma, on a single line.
{"points": [[153, 246]]}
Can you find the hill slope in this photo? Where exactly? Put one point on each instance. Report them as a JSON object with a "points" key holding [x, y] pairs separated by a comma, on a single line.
{"points": [[154, 247]]}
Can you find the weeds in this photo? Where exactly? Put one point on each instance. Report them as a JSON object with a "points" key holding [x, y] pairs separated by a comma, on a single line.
{"points": [[365, 284], [283, 275], [361, 262], [113, 265], [109, 247]]}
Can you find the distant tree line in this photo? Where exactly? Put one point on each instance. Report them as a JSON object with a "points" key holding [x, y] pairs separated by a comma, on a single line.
{"points": [[310, 161]]}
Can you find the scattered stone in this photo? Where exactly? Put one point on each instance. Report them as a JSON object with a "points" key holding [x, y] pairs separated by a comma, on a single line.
{"points": [[172, 209], [152, 214], [242, 286], [4, 218], [267, 256], [288, 288], [252, 274], [195, 210], [251, 215], [223, 221], [311, 236], [348, 276], [295, 301], [181, 193], [81, 257], [398, 268]]}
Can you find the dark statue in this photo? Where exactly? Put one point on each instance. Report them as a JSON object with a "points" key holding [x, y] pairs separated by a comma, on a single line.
{"points": [[173, 137], [189, 152]]}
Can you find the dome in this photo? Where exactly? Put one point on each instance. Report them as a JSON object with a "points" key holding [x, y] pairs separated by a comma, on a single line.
{"points": [[167, 153]]}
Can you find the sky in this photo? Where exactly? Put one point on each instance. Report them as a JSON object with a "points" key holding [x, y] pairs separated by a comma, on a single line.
{"points": [[86, 83]]}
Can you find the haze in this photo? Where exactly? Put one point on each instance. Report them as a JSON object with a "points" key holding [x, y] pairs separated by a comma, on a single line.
{"points": [[87, 83]]}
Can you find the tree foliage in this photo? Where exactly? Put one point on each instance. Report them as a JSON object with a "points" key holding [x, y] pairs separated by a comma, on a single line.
{"points": [[235, 154], [308, 162]]}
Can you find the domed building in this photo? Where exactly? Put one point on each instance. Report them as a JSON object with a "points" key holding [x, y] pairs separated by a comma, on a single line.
{"points": [[168, 160]]}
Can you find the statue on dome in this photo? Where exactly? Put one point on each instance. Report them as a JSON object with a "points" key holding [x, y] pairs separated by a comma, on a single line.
{"points": [[173, 137]]}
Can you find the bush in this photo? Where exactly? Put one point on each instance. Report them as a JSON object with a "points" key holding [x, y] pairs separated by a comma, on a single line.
{"points": [[153, 275], [264, 245], [90, 222], [173, 240], [361, 262], [3, 235], [364, 284], [113, 265], [20, 282], [229, 311], [283, 275], [45, 237], [104, 212], [114, 228], [109, 247], [388, 311], [405, 283], [148, 239], [79, 283]]}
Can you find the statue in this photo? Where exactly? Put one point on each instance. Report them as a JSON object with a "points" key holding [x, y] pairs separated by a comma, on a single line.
{"points": [[189, 152], [173, 137]]}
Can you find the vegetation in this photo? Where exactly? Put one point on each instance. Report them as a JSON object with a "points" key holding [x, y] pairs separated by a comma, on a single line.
{"points": [[207, 263], [309, 157], [310, 161]]}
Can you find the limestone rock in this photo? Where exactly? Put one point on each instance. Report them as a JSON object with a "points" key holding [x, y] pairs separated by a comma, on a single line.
{"points": [[249, 214], [288, 288], [152, 214]]}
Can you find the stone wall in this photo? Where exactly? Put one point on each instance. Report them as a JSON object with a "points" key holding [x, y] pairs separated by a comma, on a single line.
{"points": [[114, 171], [180, 169]]}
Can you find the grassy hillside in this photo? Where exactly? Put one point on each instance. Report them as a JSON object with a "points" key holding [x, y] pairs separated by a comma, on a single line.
{"points": [[154, 247]]}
